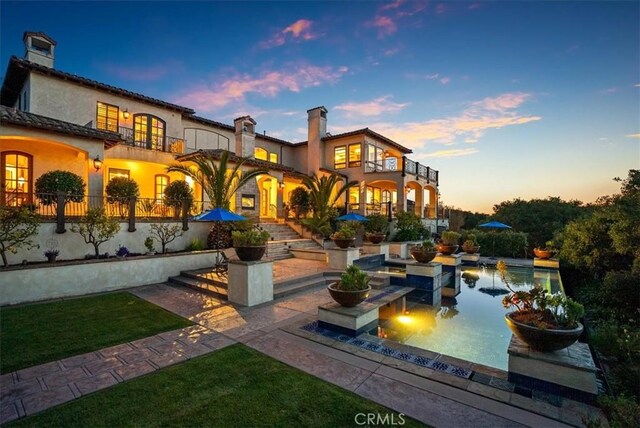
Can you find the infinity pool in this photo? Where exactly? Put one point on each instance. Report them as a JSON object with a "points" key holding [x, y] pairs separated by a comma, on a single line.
{"points": [[469, 326]]}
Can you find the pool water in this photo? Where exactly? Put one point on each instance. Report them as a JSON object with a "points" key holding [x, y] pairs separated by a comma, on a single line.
{"points": [[469, 326]]}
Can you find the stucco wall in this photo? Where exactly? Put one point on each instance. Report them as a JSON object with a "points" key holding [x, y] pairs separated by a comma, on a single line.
{"points": [[72, 246], [77, 279]]}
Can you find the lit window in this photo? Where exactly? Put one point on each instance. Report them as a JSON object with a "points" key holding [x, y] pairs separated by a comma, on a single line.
{"points": [[273, 157], [260, 153], [374, 157], [116, 172], [162, 181], [355, 155], [16, 178], [354, 198], [340, 157], [148, 131], [107, 117]]}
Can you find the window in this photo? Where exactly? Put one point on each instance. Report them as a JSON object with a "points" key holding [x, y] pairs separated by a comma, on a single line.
{"points": [[260, 153], [340, 157], [107, 117], [115, 172], [273, 157], [162, 181], [374, 158], [148, 131], [355, 155], [354, 198], [248, 202], [16, 176]]}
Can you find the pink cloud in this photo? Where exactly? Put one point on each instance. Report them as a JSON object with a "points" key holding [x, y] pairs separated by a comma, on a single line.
{"points": [[292, 78], [389, 14], [451, 153], [375, 107], [299, 30], [445, 80], [385, 25]]}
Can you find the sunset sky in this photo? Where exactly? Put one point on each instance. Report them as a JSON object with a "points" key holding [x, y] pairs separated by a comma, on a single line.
{"points": [[505, 99]]}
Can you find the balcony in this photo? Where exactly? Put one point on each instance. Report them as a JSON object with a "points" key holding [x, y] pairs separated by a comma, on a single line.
{"points": [[162, 144], [404, 165]]}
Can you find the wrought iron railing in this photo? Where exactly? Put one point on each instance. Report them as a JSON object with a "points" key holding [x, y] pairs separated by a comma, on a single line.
{"points": [[159, 143]]}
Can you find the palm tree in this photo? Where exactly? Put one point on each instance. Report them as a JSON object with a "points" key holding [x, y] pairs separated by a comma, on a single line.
{"points": [[218, 180], [323, 194]]}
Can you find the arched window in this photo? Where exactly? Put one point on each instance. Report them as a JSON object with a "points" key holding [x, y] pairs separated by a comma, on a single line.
{"points": [[162, 181], [148, 131], [260, 153], [16, 176]]}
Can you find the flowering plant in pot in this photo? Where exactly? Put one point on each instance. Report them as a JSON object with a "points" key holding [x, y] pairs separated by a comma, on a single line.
{"points": [[344, 237], [545, 252], [352, 289], [448, 243], [425, 252], [51, 255], [470, 245], [250, 245], [546, 322]]}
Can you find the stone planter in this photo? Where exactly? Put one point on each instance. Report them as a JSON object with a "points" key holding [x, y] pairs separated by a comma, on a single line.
{"points": [[471, 249], [344, 243], [446, 249], [348, 299], [422, 256], [543, 340], [543, 254], [52, 258], [375, 238], [250, 254]]}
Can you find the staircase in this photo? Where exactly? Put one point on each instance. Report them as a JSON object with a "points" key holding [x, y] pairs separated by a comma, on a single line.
{"points": [[201, 280], [283, 238]]}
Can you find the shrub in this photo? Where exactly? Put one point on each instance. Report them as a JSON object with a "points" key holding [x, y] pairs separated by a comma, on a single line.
{"points": [[96, 228], [353, 279], [345, 232], [49, 183], [409, 227], [377, 223], [148, 243], [120, 190], [195, 245], [450, 238], [506, 243], [176, 193], [249, 238], [299, 201], [17, 226], [165, 233]]}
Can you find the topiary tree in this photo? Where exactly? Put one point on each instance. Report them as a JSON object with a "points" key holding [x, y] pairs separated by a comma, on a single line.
{"points": [[52, 182], [17, 226], [96, 228], [119, 191], [299, 201], [176, 193]]}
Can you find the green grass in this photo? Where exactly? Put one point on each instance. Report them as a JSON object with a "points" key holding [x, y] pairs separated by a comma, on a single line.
{"points": [[39, 333], [233, 387]]}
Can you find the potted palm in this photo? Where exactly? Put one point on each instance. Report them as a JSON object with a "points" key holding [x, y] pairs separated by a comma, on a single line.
{"points": [[545, 252], [344, 237], [470, 245], [546, 322], [352, 289], [449, 242], [250, 245], [425, 252]]}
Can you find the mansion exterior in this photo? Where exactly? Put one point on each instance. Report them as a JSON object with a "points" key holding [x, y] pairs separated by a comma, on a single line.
{"points": [[55, 120]]}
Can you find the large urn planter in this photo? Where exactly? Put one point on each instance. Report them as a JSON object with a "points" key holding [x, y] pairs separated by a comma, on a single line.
{"points": [[250, 254], [471, 249], [543, 254], [348, 299], [422, 256], [344, 243], [446, 249], [375, 238], [543, 340]]}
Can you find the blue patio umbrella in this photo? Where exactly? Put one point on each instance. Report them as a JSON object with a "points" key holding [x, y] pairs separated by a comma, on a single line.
{"points": [[494, 225], [219, 214], [352, 217]]}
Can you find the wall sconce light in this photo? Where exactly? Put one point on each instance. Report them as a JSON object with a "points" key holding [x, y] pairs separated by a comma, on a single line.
{"points": [[281, 184], [125, 114], [97, 163]]}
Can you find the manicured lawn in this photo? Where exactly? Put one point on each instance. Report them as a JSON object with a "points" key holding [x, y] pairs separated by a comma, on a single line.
{"points": [[233, 387], [39, 333]]}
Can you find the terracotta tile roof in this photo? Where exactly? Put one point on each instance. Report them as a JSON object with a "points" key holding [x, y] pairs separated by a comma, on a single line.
{"points": [[205, 121], [368, 132], [16, 117], [233, 158], [18, 69]]}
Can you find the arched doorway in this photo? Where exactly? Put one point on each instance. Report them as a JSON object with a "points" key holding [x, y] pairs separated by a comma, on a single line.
{"points": [[268, 189], [431, 198], [414, 197]]}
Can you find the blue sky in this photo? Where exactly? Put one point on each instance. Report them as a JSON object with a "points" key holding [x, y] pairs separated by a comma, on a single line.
{"points": [[505, 99]]}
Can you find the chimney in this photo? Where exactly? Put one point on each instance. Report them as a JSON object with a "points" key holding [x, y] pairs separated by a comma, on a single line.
{"points": [[39, 48], [245, 136], [317, 120]]}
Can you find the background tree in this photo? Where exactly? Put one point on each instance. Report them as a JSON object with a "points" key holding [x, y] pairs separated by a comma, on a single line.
{"points": [[96, 228], [299, 201], [50, 183], [165, 233], [176, 193], [324, 192], [17, 227]]}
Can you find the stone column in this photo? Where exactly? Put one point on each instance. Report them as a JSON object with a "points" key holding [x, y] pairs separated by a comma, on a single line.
{"points": [[340, 258], [451, 266], [250, 283], [381, 248]]}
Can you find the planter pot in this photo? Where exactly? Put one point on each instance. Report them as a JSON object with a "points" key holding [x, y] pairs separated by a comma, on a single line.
{"points": [[348, 299], [250, 254], [543, 254], [423, 256], [344, 243], [51, 259], [470, 250], [375, 238], [543, 340], [446, 249]]}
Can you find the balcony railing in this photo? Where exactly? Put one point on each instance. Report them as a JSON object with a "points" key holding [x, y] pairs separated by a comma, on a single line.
{"points": [[162, 143], [396, 164]]}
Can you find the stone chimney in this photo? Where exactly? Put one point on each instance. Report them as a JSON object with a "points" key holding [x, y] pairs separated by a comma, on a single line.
{"points": [[39, 48], [317, 122], [245, 136]]}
